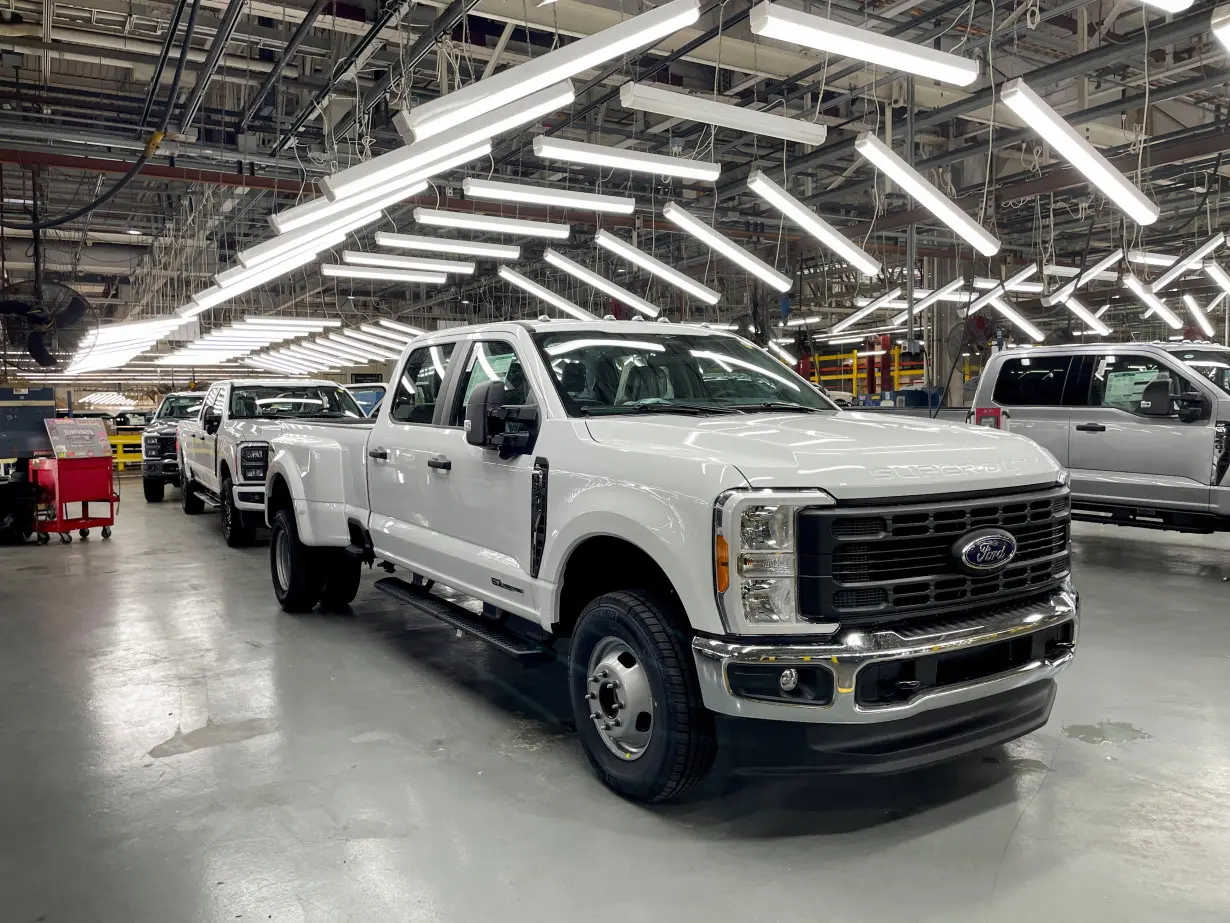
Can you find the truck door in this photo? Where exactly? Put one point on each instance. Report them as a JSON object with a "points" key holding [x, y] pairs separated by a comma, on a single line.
{"points": [[1033, 388], [194, 451], [406, 435], [1121, 457], [481, 502], [209, 457]]}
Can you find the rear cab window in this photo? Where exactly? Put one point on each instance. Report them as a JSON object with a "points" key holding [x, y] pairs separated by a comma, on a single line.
{"points": [[1034, 381]]}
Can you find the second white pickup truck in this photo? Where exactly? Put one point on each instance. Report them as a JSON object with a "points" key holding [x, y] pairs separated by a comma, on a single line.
{"points": [[721, 557]]}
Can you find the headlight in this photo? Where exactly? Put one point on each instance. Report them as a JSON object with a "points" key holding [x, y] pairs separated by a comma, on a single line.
{"points": [[755, 531], [149, 447], [253, 461]]}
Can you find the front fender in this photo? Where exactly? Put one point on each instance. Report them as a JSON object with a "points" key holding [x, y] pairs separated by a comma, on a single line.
{"points": [[322, 521]]}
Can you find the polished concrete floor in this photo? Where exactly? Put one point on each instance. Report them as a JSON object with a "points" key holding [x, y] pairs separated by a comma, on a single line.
{"points": [[174, 748]]}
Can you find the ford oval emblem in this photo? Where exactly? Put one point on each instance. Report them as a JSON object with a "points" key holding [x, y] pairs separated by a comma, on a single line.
{"points": [[984, 551]]}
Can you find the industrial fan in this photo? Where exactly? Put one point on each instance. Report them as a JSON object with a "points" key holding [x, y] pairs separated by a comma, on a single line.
{"points": [[41, 322]]}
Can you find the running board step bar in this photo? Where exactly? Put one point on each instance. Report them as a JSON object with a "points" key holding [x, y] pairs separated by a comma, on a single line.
{"points": [[462, 619], [208, 499]]}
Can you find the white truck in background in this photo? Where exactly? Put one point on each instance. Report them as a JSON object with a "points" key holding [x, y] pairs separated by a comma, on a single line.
{"points": [[721, 557]]}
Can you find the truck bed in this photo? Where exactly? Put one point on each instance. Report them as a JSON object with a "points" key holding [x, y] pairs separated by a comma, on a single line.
{"points": [[334, 452]]}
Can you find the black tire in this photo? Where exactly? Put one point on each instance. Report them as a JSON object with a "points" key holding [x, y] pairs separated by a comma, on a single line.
{"points": [[154, 488], [188, 500], [299, 588], [342, 574], [84, 533], [235, 529], [106, 531], [682, 746]]}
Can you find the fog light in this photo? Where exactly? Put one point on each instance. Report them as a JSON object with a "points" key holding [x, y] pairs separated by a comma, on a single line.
{"points": [[789, 680]]}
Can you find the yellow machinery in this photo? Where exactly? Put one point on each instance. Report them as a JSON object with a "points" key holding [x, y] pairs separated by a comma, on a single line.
{"points": [[126, 449]]}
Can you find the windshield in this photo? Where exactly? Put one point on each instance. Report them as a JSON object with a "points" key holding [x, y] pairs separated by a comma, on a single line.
{"points": [[598, 372], [1212, 363], [179, 406], [254, 401], [367, 396]]}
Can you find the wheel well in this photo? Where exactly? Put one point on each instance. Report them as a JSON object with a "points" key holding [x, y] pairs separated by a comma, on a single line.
{"points": [[603, 564], [224, 471], [278, 497]]}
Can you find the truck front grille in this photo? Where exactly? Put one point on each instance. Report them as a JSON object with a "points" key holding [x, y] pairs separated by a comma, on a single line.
{"points": [[860, 565]]}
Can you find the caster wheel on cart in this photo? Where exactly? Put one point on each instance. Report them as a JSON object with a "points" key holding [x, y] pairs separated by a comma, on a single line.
{"points": [[65, 538], [84, 533], [106, 531], [44, 538]]}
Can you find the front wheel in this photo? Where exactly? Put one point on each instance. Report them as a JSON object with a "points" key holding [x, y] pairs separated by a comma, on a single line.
{"points": [[298, 580], [153, 489], [635, 698], [234, 531], [188, 500]]}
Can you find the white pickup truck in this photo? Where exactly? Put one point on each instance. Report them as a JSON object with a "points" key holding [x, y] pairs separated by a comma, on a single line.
{"points": [[224, 446], [721, 557]]}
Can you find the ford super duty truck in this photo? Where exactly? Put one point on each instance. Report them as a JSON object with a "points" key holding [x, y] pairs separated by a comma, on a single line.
{"points": [[223, 446], [723, 559]]}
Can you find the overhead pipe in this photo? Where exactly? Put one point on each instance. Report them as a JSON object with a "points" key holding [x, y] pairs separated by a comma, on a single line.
{"points": [[226, 28], [172, 28], [296, 39]]}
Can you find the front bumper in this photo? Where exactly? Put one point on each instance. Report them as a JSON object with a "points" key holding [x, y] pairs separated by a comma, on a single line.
{"points": [[166, 469], [848, 664], [249, 497]]}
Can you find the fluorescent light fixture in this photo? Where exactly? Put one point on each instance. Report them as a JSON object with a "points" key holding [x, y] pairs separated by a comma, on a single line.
{"points": [[376, 274], [1062, 137], [559, 261], [428, 155], [1188, 261], [1061, 295], [513, 277], [772, 20], [1010, 284], [1218, 275], [362, 347], [214, 296], [1068, 272], [782, 354], [813, 224], [630, 253], [1221, 24], [307, 323], [938, 295], [643, 97], [618, 158], [322, 208], [491, 224], [499, 90], [1152, 302], [727, 247], [311, 239], [1149, 258], [869, 308], [1017, 320], [237, 274], [925, 194], [802, 321], [1199, 316], [444, 245], [865, 353], [1169, 6], [397, 261], [350, 353], [491, 190], [402, 328], [1087, 317], [384, 333]]}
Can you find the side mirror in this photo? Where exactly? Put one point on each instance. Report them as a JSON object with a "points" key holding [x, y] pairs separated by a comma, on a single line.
{"points": [[211, 421], [1194, 406], [487, 419], [1156, 401]]}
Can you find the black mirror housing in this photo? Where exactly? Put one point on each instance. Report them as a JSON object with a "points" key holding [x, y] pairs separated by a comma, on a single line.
{"points": [[487, 419], [483, 400], [212, 420], [1155, 401], [1194, 406]]}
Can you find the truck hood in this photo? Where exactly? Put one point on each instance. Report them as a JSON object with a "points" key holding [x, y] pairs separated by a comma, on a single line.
{"points": [[255, 430], [161, 428], [849, 455]]}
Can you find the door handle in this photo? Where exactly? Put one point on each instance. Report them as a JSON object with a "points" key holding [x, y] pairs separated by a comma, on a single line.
{"points": [[378, 454], [440, 464], [1091, 428]]}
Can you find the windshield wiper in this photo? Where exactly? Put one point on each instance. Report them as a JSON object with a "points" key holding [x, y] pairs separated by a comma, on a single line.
{"points": [[787, 406], [694, 410]]}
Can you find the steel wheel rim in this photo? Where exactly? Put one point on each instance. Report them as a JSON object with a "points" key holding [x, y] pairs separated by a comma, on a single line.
{"points": [[226, 518], [619, 698], [281, 558]]}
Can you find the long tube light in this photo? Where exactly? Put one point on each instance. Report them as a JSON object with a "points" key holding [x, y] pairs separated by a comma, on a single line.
{"points": [[492, 224], [922, 304], [361, 347], [1062, 137], [643, 97], [327, 353], [498, 91], [322, 208], [1008, 285], [601, 155], [397, 261], [513, 277], [1198, 314], [307, 355], [1150, 258], [559, 261], [925, 194], [491, 190], [338, 349], [402, 328], [1087, 317], [869, 308], [1221, 24], [379, 342], [1169, 6], [312, 238], [771, 20], [1152, 302], [394, 337], [445, 245], [812, 223], [1017, 320], [236, 274], [1061, 295], [1218, 275], [727, 247], [422, 155], [655, 266], [214, 295], [1186, 262], [376, 274]]}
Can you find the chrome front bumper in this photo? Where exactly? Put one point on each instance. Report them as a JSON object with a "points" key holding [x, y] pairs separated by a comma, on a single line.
{"points": [[249, 497], [852, 650]]}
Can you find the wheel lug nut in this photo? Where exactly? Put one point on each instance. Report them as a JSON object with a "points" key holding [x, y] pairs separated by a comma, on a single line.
{"points": [[614, 722], [603, 673], [593, 716], [591, 695]]}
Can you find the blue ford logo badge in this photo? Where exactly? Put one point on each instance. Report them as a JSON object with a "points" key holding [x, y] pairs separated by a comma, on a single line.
{"points": [[984, 551]]}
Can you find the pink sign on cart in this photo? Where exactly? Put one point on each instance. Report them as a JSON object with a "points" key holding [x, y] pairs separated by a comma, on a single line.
{"points": [[78, 438]]}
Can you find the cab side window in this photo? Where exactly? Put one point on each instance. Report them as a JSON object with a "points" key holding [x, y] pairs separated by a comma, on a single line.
{"points": [[422, 379], [1032, 381], [493, 360], [1119, 380]]}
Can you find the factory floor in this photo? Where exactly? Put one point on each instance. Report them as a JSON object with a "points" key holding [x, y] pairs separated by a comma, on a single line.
{"points": [[173, 748]]}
